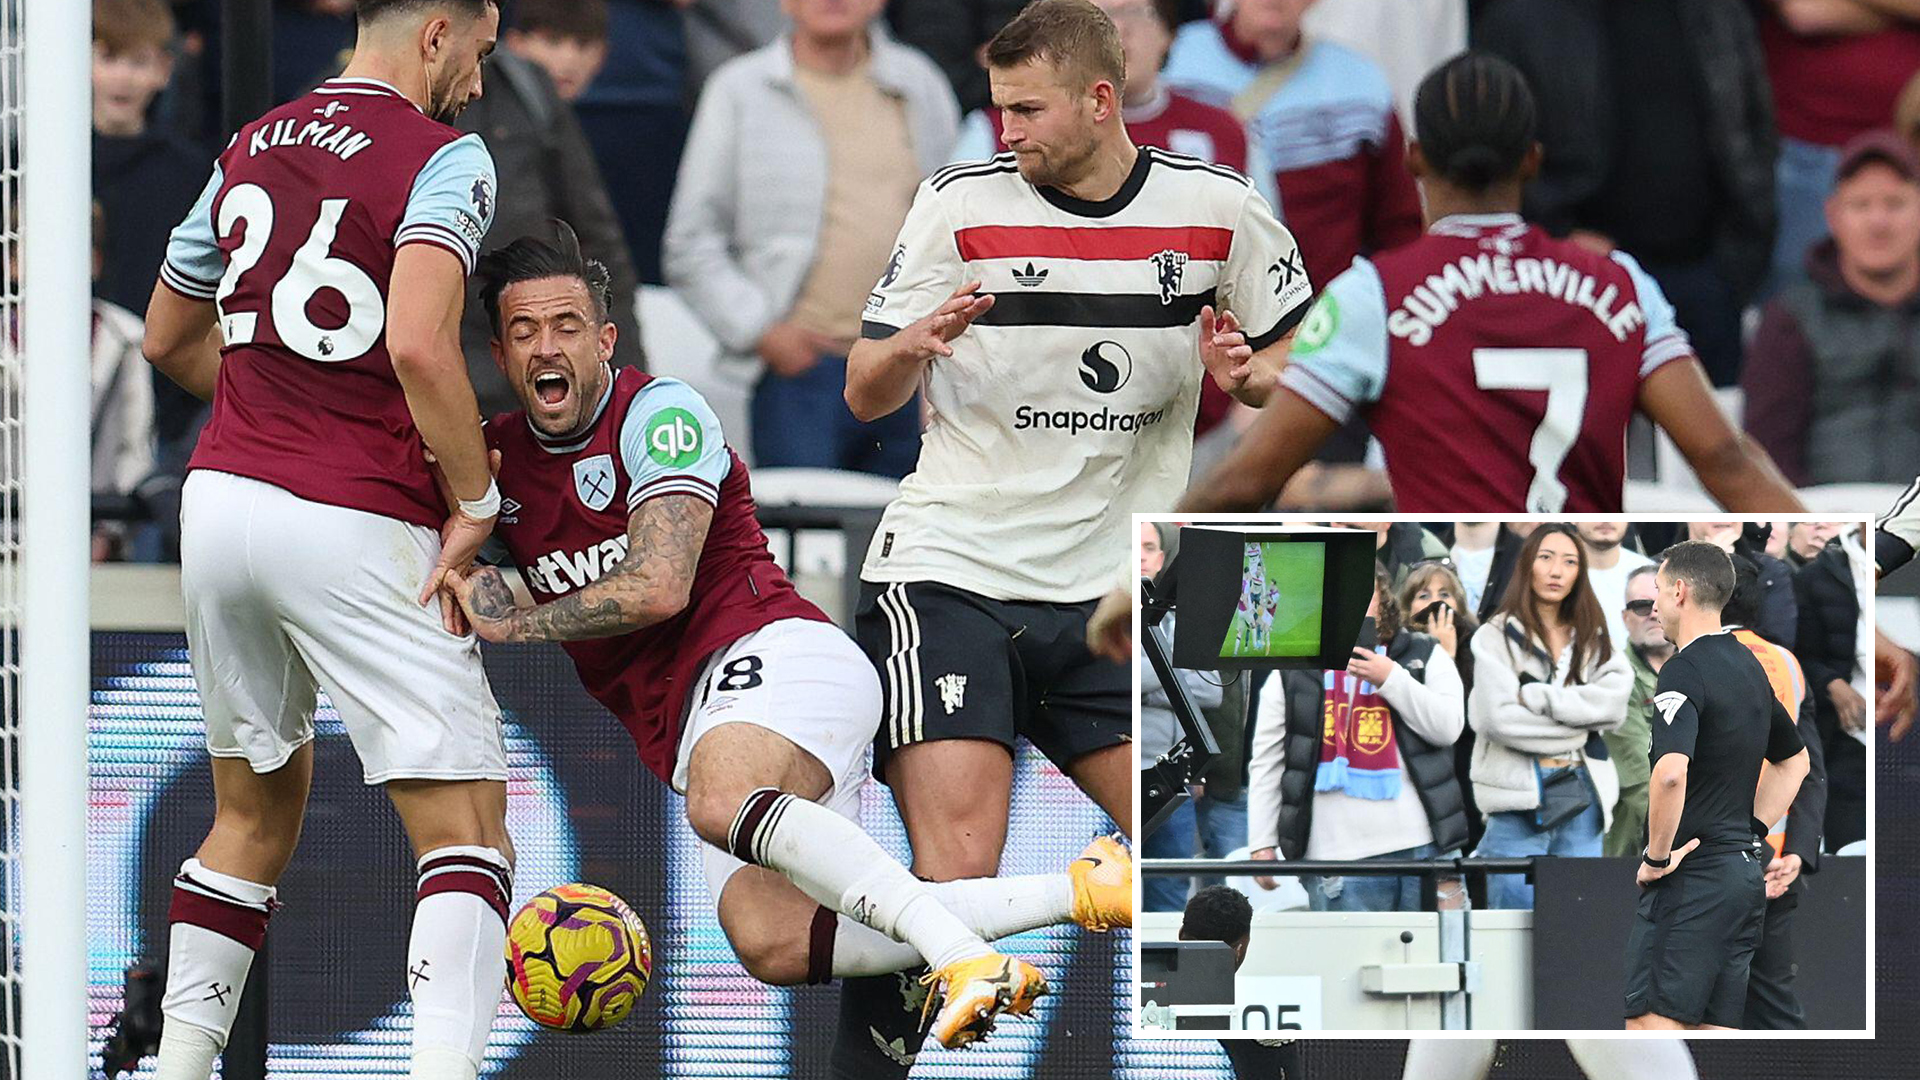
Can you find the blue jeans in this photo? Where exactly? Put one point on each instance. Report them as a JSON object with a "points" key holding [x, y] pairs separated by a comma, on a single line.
{"points": [[1370, 893], [1176, 838], [802, 421], [1223, 828], [1511, 834], [1802, 179]]}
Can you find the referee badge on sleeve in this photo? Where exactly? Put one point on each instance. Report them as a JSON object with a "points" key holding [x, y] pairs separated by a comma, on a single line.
{"points": [[1669, 702]]}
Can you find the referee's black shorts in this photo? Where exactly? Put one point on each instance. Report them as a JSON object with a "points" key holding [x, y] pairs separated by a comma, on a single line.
{"points": [[957, 665], [1693, 939]]}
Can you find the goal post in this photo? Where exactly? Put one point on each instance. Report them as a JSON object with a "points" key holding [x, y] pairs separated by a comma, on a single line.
{"points": [[49, 127]]}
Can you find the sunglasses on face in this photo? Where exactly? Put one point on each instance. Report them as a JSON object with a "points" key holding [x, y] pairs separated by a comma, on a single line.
{"points": [[1642, 608]]}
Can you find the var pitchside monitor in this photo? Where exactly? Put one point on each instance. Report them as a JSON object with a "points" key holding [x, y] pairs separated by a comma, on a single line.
{"points": [[1266, 599]]}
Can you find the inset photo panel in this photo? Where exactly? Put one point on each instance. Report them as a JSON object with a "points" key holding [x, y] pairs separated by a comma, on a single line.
{"points": [[1511, 778]]}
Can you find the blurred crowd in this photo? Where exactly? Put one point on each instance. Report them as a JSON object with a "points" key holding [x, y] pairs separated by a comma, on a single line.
{"points": [[1506, 708], [758, 156]]}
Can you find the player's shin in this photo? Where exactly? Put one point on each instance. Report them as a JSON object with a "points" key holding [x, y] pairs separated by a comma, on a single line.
{"points": [[456, 959], [837, 864], [217, 923]]}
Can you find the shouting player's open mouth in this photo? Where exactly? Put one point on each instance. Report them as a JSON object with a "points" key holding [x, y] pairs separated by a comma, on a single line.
{"points": [[552, 390]]}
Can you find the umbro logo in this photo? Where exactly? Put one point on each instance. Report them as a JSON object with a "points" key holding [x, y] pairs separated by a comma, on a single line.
{"points": [[509, 512], [1028, 276]]}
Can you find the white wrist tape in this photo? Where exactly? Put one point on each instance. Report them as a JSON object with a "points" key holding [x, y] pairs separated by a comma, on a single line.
{"points": [[485, 506]]}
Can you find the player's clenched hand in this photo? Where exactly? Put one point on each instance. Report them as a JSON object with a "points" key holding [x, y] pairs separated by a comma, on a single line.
{"points": [[1650, 874], [1224, 351], [1895, 674], [929, 337], [460, 538], [487, 601]]}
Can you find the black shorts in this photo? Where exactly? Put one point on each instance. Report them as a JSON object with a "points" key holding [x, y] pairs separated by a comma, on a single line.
{"points": [[957, 665], [1693, 939]]}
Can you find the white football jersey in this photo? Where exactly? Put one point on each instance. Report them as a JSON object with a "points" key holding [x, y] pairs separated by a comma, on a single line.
{"points": [[1070, 404]]}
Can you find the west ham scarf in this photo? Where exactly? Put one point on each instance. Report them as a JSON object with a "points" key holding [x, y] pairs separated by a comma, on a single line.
{"points": [[1358, 753]]}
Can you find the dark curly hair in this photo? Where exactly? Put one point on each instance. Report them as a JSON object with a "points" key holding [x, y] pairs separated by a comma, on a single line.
{"points": [[1217, 913], [532, 257]]}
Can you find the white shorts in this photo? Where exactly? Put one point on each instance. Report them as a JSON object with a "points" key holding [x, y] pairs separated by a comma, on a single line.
{"points": [[804, 680], [285, 596]]}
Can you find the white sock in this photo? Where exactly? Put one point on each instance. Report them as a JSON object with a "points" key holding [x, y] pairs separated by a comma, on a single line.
{"points": [[1449, 1059], [456, 959], [990, 907], [1633, 1059], [836, 863], [186, 1052], [217, 924]]}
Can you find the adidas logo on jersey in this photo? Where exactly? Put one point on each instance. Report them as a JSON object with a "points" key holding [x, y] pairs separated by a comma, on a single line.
{"points": [[1028, 276]]}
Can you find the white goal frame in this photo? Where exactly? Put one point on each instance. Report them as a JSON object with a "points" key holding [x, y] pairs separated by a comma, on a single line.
{"points": [[55, 215]]}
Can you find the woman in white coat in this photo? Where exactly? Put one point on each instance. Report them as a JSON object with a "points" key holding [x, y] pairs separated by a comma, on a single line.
{"points": [[1547, 682]]}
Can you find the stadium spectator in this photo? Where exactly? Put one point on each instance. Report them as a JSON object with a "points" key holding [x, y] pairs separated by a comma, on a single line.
{"points": [[1805, 539], [1834, 646], [122, 450], [1778, 610], [1547, 682], [952, 34], [567, 38], [1647, 651], [802, 161], [145, 179], [1794, 842], [1400, 546], [1376, 780], [1483, 553], [1319, 114], [1659, 141], [1407, 38], [1830, 380], [1837, 68], [1906, 115], [719, 30], [1179, 836], [1609, 563], [634, 115], [1429, 582], [546, 171]]}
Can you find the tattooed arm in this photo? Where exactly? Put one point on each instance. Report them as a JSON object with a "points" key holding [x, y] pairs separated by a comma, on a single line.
{"points": [[665, 536]]}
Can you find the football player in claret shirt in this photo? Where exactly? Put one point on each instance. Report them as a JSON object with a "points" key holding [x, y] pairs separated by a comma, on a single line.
{"points": [[633, 525], [313, 535], [1497, 365]]}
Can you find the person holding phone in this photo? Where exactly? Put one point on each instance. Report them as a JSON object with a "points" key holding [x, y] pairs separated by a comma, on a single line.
{"points": [[1357, 763]]}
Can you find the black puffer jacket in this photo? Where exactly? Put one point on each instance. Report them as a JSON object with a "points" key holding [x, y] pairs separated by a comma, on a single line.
{"points": [[1829, 623], [1430, 766]]}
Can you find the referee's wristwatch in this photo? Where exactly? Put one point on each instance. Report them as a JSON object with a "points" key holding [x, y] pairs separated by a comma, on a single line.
{"points": [[1657, 864]]}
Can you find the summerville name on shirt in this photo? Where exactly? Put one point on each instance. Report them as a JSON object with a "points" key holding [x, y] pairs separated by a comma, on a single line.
{"points": [[339, 139], [1473, 276]]}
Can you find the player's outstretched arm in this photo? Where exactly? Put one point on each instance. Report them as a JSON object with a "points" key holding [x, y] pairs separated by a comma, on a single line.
{"points": [[1281, 440], [1733, 468], [183, 341], [665, 536], [423, 340], [882, 373]]}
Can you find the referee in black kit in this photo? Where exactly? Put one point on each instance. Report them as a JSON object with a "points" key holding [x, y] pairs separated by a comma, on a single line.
{"points": [[1726, 758]]}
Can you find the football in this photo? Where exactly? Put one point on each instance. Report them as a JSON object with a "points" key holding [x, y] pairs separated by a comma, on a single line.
{"points": [[577, 958]]}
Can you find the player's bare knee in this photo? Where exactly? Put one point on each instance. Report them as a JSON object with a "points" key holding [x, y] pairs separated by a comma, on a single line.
{"points": [[712, 807], [771, 955]]}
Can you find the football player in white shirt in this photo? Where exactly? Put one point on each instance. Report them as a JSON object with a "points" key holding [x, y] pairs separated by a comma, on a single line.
{"points": [[1059, 305]]}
